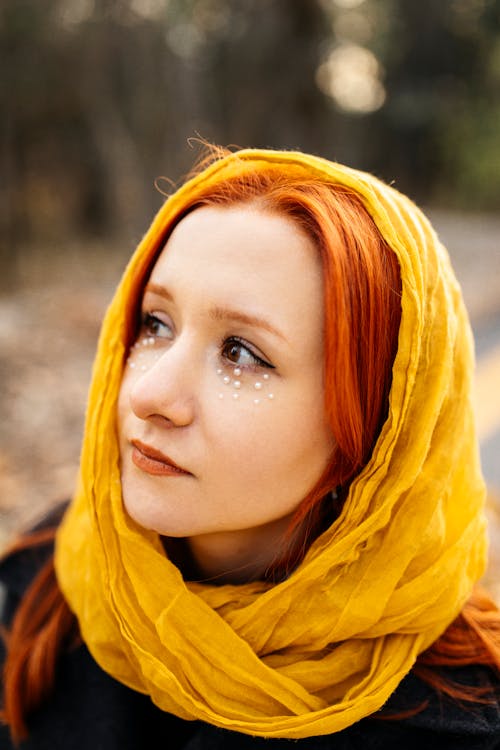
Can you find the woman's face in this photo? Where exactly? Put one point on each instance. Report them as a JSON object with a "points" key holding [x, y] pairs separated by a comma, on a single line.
{"points": [[221, 408]]}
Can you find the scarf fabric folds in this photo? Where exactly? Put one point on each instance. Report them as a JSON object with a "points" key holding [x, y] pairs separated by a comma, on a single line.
{"points": [[326, 647]]}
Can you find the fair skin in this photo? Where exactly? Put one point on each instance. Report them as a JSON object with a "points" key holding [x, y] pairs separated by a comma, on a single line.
{"points": [[226, 382]]}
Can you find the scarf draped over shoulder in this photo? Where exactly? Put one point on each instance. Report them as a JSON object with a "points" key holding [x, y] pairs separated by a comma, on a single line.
{"points": [[326, 647]]}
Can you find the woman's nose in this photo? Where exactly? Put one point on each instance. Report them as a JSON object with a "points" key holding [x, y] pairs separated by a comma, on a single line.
{"points": [[163, 386]]}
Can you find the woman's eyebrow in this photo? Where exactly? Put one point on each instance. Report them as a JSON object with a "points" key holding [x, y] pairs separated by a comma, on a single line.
{"points": [[158, 289], [224, 313]]}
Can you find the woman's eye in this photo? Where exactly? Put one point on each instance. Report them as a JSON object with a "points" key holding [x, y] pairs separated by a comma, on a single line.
{"points": [[239, 353], [153, 325]]}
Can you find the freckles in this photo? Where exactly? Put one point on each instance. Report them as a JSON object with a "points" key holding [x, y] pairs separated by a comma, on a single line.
{"points": [[251, 389]]}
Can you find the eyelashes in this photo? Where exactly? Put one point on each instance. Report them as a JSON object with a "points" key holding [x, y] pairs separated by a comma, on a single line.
{"points": [[239, 353], [153, 325], [234, 351]]}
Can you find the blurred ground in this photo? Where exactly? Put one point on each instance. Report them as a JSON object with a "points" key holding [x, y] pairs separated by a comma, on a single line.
{"points": [[48, 333]]}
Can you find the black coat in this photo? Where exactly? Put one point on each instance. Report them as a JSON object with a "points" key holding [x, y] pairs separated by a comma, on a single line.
{"points": [[89, 710]]}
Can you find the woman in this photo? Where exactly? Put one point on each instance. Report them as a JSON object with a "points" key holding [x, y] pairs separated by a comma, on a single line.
{"points": [[279, 520]]}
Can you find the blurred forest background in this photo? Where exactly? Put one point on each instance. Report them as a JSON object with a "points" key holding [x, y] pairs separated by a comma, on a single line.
{"points": [[100, 98]]}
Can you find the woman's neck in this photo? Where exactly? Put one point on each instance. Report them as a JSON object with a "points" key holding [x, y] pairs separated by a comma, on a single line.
{"points": [[233, 556]]}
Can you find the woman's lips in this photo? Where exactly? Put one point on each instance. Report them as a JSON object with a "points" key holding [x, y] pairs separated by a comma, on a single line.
{"points": [[152, 461]]}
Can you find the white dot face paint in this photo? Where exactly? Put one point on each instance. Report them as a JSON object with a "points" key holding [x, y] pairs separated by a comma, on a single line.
{"points": [[143, 355], [244, 390]]}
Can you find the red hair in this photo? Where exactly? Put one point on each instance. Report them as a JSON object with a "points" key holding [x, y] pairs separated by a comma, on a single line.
{"points": [[362, 314]]}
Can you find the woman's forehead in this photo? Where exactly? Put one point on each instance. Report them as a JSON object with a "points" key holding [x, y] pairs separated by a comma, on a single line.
{"points": [[219, 242], [244, 258]]}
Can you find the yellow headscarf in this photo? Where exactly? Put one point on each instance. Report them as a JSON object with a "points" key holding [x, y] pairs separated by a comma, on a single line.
{"points": [[326, 647]]}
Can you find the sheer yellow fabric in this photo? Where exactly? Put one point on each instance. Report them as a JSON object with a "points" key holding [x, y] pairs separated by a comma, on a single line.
{"points": [[326, 647]]}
